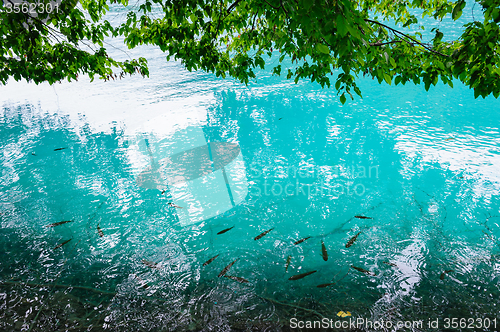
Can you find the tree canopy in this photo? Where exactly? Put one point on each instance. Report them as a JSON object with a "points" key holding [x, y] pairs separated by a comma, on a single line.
{"points": [[332, 42]]}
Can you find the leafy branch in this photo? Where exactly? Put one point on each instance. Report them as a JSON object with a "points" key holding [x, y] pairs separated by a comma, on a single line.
{"points": [[397, 32]]}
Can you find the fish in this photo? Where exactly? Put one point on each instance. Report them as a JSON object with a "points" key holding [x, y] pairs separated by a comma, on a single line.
{"points": [[59, 149], [301, 240], [225, 230], [363, 270], [302, 275], [224, 271], [263, 234], [61, 244], [323, 251], [325, 285], [449, 139], [389, 263], [362, 217], [444, 273], [239, 279], [144, 284], [210, 260], [59, 223], [99, 231], [163, 191], [150, 264], [280, 118], [288, 260], [352, 240], [175, 206]]}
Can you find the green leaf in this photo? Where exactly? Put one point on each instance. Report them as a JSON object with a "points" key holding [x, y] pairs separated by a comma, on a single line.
{"points": [[343, 99], [387, 78], [393, 63], [341, 25], [322, 48], [457, 10]]}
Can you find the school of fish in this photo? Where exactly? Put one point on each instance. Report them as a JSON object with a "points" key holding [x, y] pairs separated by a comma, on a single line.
{"points": [[225, 270], [324, 255]]}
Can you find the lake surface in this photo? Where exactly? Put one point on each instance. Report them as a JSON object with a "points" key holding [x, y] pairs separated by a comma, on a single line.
{"points": [[401, 187]]}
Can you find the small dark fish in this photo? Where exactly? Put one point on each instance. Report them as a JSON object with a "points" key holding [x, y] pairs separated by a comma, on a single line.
{"points": [[301, 240], [325, 285], [144, 284], [352, 240], [163, 191], [263, 234], [150, 264], [302, 275], [175, 206], [224, 271], [288, 260], [61, 244], [449, 139], [363, 270], [280, 118], [58, 223], [444, 273], [389, 263], [323, 251], [239, 279], [362, 217], [460, 177], [59, 149], [225, 230], [210, 260], [99, 231]]}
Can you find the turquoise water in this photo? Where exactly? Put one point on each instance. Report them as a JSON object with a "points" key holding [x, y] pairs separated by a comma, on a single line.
{"points": [[424, 167]]}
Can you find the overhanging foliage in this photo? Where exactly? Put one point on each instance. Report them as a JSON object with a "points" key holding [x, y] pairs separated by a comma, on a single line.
{"points": [[350, 38]]}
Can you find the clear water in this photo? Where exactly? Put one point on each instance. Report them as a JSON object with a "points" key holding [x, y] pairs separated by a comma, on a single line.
{"points": [[423, 166]]}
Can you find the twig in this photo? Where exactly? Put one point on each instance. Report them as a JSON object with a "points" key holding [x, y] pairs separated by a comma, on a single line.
{"points": [[276, 8], [390, 42], [36, 317], [232, 6], [281, 4]]}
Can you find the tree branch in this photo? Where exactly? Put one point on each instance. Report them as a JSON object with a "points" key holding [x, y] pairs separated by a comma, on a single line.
{"points": [[409, 37], [233, 6], [276, 8], [390, 42]]}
